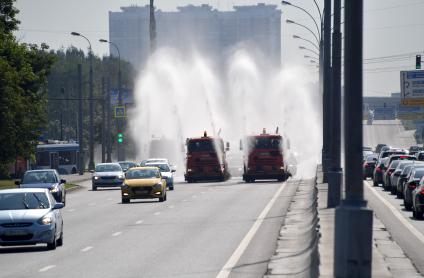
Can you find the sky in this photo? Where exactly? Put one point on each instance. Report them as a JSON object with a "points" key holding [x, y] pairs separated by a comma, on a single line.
{"points": [[391, 27]]}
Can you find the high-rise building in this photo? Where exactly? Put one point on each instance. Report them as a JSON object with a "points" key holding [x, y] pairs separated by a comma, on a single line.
{"points": [[200, 28]]}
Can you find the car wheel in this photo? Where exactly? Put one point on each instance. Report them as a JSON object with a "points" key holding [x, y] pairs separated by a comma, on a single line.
{"points": [[60, 240], [407, 205], [165, 197], [399, 195], [375, 183], [393, 190], [125, 200], [162, 199], [94, 188], [52, 245], [171, 188], [74, 171]]}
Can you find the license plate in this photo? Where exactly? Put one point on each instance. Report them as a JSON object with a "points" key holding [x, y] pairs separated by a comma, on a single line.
{"points": [[15, 233], [141, 191]]}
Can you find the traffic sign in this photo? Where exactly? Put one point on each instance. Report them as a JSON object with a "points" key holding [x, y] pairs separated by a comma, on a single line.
{"points": [[412, 87], [120, 112]]}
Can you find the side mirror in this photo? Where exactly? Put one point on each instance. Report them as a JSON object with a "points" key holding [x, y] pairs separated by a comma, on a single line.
{"points": [[62, 181], [227, 146], [17, 183], [58, 206], [173, 171]]}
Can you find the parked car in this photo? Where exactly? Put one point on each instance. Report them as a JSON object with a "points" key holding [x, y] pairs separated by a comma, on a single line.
{"points": [[369, 165], [420, 155], [29, 216], [414, 149], [166, 172], [418, 201], [379, 147], [403, 178], [389, 167], [143, 183], [396, 175], [107, 175], [125, 165], [378, 172], [413, 180], [49, 179]]}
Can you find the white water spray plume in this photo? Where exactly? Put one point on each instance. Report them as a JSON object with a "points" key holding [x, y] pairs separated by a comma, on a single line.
{"points": [[178, 97]]}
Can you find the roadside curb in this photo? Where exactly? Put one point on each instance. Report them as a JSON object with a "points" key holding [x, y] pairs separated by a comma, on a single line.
{"points": [[297, 245]]}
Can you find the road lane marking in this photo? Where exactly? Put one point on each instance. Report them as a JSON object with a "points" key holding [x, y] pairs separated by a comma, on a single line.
{"points": [[109, 199], [203, 192], [171, 206], [139, 222], [116, 234], [397, 214], [184, 200], [235, 257], [156, 213], [44, 269], [71, 210], [87, 249], [194, 196]]}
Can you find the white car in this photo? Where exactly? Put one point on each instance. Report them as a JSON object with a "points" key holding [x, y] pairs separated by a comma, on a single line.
{"points": [[166, 172], [107, 175]]}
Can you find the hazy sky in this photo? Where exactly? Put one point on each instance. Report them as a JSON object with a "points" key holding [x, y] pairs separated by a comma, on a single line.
{"points": [[392, 27]]}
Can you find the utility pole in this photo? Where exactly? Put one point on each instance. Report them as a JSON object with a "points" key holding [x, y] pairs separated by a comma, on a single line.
{"points": [[80, 127], [103, 121], [326, 88], [152, 27], [62, 90], [354, 221], [335, 174], [108, 134], [91, 114]]}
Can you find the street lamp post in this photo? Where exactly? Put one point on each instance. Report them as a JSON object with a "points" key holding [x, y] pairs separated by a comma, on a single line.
{"points": [[354, 221], [91, 105], [335, 174], [306, 40], [119, 123], [288, 21], [308, 49]]}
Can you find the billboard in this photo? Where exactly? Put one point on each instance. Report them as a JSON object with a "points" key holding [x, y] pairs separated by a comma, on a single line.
{"points": [[412, 87]]}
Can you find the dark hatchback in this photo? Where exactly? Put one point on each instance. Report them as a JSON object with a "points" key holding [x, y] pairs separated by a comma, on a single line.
{"points": [[369, 165], [413, 181]]}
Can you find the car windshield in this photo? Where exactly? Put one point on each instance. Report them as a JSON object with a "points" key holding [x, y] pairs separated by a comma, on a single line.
{"points": [[419, 174], [371, 158], [23, 200], [162, 167], [401, 166], [265, 143], [39, 177], [142, 174], [394, 164], [108, 168], [126, 165], [201, 146]]}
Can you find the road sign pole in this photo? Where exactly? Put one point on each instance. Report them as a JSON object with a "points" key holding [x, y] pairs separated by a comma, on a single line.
{"points": [[354, 221]]}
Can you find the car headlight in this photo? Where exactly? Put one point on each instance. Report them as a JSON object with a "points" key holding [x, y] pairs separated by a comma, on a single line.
{"points": [[189, 170], [46, 220], [121, 176], [96, 177], [157, 186], [54, 189]]}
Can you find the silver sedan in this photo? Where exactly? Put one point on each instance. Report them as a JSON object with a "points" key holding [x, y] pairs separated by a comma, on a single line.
{"points": [[29, 216]]}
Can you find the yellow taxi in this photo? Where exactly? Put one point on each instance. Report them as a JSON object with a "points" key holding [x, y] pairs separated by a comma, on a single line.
{"points": [[143, 183]]}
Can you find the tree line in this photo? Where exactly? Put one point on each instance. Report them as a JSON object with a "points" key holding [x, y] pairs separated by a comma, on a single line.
{"points": [[39, 88]]}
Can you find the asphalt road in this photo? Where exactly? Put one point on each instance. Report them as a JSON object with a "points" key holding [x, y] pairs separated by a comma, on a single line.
{"points": [[193, 234], [389, 132]]}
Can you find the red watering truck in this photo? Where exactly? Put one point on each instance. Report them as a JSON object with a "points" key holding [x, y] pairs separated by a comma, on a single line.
{"points": [[263, 157], [206, 159]]}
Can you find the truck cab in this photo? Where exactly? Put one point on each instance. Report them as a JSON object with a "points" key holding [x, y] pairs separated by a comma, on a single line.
{"points": [[206, 159], [263, 157]]}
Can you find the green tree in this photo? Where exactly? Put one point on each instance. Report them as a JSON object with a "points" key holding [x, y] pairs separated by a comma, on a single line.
{"points": [[23, 74]]}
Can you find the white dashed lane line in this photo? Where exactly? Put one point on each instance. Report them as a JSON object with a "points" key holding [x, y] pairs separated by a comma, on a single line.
{"points": [[171, 206], [86, 248], [156, 213], [44, 269], [116, 234], [70, 210], [139, 222]]}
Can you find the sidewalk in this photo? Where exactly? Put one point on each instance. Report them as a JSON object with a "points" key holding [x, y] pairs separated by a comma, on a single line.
{"points": [[388, 259]]}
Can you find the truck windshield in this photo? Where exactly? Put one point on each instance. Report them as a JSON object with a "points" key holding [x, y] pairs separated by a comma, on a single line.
{"points": [[201, 146], [265, 143]]}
